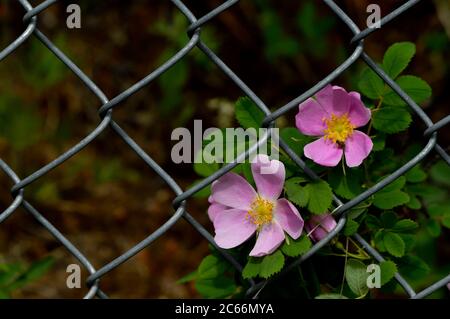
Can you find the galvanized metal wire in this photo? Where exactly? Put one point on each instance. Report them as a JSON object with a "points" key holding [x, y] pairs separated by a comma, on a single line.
{"points": [[181, 196]]}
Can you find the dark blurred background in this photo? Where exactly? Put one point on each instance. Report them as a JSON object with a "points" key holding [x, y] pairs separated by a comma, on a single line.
{"points": [[105, 199]]}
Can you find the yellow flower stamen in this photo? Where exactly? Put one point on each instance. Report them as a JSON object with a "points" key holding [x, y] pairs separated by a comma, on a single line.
{"points": [[339, 128], [261, 212]]}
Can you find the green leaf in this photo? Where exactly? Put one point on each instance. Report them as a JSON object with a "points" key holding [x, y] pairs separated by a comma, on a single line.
{"points": [[433, 227], [271, 264], [320, 197], [211, 266], [439, 210], [397, 58], [347, 186], [388, 269], [409, 239], [294, 248], [415, 87], [388, 219], [414, 202], [330, 296], [394, 244], [388, 200], [391, 120], [416, 175], [446, 221], [264, 266], [379, 240], [405, 225], [248, 113], [34, 272], [370, 84], [187, 278], [413, 267], [379, 142], [391, 196], [356, 277], [372, 222], [295, 193], [252, 268], [294, 139], [351, 227], [440, 173], [219, 287]]}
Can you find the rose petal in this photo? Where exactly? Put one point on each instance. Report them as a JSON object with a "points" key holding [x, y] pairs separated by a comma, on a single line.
{"points": [[269, 239], [359, 115], [310, 118], [215, 209], [269, 176], [289, 218], [234, 191], [325, 98], [341, 101], [319, 226], [318, 234], [232, 228], [324, 152], [357, 148]]}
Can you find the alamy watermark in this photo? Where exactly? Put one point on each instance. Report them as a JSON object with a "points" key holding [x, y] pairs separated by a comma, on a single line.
{"points": [[374, 18], [73, 20]]}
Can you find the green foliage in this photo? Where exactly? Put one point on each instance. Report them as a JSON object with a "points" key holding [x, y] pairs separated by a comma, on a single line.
{"points": [[391, 119], [392, 233], [19, 124], [413, 267], [392, 195], [316, 196], [440, 172], [16, 276], [416, 175], [294, 139], [370, 84], [415, 87], [298, 247], [356, 277], [248, 113], [41, 69], [394, 244], [264, 267], [389, 218], [387, 270], [296, 193], [351, 227], [213, 278], [320, 197], [391, 115], [397, 58], [349, 185]]}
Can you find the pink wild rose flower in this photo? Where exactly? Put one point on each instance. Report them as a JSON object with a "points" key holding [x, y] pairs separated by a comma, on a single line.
{"points": [[238, 211], [333, 114], [319, 226]]}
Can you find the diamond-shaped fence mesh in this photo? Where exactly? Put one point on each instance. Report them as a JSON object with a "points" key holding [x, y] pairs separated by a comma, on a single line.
{"points": [[179, 203]]}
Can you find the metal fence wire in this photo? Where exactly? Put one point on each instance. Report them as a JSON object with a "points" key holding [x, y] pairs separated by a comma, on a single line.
{"points": [[179, 203]]}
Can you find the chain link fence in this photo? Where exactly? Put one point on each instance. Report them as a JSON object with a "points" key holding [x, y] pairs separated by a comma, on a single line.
{"points": [[181, 196]]}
